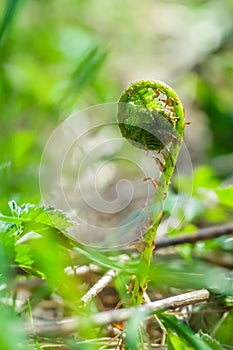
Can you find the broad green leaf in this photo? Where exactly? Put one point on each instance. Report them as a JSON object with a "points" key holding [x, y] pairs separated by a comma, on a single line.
{"points": [[184, 332], [223, 331], [174, 342]]}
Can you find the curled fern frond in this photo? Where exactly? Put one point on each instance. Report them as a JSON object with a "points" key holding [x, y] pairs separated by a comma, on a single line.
{"points": [[150, 115]]}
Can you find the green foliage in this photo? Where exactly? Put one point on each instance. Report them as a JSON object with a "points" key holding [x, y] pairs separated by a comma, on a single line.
{"points": [[12, 337], [28, 223], [223, 330], [174, 342], [215, 345], [185, 332], [191, 273], [219, 112], [56, 59], [42, 81], [225, 196]]}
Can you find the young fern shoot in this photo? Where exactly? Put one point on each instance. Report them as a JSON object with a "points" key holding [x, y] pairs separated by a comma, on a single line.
{"points": [[151, 117]]}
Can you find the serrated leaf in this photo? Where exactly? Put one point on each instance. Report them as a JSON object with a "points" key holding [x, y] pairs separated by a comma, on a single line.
{"points": [[43, 220], [54, 218], [45, 215], [48, 216]]}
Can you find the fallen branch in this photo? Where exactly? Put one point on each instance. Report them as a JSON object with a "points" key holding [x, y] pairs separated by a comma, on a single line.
{"points": [[71, 325]]}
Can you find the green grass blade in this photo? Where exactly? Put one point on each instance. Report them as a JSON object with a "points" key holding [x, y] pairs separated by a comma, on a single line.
{"points": [[88, 67], [10, 11]]}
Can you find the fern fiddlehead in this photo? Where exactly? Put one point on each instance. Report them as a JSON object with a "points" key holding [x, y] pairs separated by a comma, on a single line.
{"points": [[151, 117]]}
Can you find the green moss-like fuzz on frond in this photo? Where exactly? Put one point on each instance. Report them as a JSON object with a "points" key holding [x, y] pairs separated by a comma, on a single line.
{"points": [[150, 115]]}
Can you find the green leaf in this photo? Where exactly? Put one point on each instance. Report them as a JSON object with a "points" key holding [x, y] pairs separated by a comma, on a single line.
{"points": [[29, 213], [174, 342], [211, 341], [101, 259], [184, 332], [48, 216], [225, 195], [53, 224], [23, 256], [42, 220], [223, 331]]}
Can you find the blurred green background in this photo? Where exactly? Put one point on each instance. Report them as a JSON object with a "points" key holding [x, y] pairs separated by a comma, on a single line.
{"points": [[57, 57]]}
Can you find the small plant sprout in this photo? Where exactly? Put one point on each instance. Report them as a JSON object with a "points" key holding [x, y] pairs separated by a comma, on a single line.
{"points": [[151, 117]]}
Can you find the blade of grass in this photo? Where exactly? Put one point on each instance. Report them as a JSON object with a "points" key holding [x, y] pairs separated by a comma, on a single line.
{"points": [[10, 11], [87, 68]]}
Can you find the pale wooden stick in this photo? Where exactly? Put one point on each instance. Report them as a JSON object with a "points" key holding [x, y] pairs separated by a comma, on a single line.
{"points": [[113, 316], [99, 286]]}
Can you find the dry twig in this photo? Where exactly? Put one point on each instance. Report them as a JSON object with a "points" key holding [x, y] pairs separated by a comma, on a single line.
{"points": [[200, 235], [99, 286], [113, 316]]}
